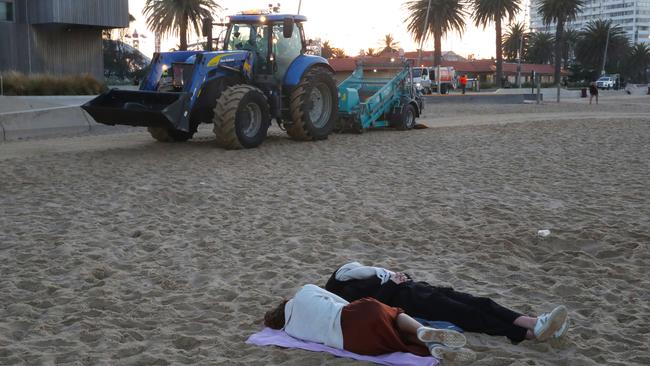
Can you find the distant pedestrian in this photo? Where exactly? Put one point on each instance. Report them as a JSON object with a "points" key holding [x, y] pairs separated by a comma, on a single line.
{"points": [[593, 92], [463, 83]]}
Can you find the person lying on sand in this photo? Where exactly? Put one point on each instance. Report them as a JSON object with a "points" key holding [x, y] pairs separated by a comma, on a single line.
{"points": [[365, 326], [422, 300]]}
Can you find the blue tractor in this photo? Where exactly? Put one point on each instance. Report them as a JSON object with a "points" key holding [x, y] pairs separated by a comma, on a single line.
{"points": [[261, 74]]}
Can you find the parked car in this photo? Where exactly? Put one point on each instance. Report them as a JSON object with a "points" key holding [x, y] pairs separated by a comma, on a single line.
{"points": [[606, 82]]}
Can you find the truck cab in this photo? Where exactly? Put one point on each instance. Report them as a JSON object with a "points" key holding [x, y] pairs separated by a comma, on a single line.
{"points": [[422, 80]]}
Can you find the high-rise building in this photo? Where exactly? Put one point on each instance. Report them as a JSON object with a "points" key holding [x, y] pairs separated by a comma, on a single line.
{"points": [[631, 15]]}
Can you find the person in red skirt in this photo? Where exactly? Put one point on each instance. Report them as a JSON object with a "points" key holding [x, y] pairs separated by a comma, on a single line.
{"points": [[365, 326], [420, 299]]}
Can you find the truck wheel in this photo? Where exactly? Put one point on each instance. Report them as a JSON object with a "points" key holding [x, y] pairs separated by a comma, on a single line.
{"points": [[313, 106], [405, 120], [163, 134], [241, 117]]}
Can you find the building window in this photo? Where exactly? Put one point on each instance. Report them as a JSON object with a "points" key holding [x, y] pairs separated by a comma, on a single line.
{"points": [[6, 11]]}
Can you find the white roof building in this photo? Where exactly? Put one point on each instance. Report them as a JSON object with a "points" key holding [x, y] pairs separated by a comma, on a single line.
{"points": [[632, 15]]}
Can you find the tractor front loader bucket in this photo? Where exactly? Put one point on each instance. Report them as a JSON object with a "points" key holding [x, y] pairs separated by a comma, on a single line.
{"points": [[140, 108]]}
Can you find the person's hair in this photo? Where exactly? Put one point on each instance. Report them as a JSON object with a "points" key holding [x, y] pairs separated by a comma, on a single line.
{"points": [[274, 319]]}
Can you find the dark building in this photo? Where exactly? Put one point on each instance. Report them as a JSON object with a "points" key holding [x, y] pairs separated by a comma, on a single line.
{"points": [[57, 36]]}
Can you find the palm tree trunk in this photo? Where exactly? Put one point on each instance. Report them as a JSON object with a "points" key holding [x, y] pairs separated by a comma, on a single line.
{"points": [[437, 52], [558, 55], [183, 32], [499, 53]]}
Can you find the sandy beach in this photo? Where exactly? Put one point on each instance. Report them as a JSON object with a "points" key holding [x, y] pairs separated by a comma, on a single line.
{"points": [[116, 250]]}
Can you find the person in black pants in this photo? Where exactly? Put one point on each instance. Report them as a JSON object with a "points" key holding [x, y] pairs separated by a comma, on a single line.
{"points": [[419, 299]]}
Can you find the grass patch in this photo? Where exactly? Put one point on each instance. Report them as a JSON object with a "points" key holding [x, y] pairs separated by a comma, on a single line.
{"points": [[16, 83]]}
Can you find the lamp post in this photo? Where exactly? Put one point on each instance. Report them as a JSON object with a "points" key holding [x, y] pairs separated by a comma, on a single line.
{"points": [[602, 70]]}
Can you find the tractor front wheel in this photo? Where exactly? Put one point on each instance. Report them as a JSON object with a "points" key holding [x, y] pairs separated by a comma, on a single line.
{"points": [[163, 134], [314, 106], [241, 117]]}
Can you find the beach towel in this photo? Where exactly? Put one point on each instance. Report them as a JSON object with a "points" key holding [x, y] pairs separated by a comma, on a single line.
{"points": [[271, 337]]}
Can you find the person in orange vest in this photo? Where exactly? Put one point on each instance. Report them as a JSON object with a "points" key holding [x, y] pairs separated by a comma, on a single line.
{"points": [[463, 83]]}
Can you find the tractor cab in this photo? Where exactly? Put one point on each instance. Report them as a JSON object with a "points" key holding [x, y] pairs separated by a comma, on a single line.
{"points": [[276, 40]]}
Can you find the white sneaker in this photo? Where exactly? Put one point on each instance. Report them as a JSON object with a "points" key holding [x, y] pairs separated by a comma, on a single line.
{"points": [[448, 354], [548, 324], [562, 331], [447, 337]]}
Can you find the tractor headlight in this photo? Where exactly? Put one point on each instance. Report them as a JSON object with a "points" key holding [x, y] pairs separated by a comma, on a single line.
{"points": [[418, 85]]}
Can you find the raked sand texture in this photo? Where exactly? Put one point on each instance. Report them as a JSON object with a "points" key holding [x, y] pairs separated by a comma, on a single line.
{"points": [[139, 253]]}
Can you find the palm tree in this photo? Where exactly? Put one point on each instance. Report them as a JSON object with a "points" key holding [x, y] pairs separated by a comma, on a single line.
{"points": [[597, 35], [338, 53], [176, 17], [445, 16], [326, 50], [389, 44], [488, 11], [515, 41], [540, 48], [638, 61], [559, 12], [370, 52]]}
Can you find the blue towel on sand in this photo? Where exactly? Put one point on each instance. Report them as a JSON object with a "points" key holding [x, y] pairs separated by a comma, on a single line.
{"points": [[439, 324]]}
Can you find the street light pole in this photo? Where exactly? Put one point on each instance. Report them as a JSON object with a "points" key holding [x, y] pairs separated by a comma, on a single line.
{"points": [[602, 72], [521, 47]]}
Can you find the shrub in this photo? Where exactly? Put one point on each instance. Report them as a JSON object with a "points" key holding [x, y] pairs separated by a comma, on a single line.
{"points": [[16, 83]]}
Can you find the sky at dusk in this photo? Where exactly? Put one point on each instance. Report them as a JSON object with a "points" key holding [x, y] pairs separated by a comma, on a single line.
{"points": [[349, 24]]}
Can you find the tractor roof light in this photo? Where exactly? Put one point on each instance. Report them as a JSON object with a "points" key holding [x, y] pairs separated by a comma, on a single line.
{"points": [[263, 19], [226, 20]]}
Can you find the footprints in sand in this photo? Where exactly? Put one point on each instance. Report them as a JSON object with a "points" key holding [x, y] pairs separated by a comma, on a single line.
{"points": [[136, 267]]}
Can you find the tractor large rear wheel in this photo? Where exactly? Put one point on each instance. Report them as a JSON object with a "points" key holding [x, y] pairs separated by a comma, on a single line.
{"points": [[241, 117], [314, 106], [163, 134]]}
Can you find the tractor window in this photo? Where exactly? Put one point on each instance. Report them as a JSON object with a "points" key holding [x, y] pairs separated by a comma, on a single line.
{"points": [[285, 49], [248, 37], [251, 37]]}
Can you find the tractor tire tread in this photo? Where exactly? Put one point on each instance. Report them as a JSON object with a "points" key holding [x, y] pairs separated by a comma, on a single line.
{"points": [[225, 113], [299, 129]]}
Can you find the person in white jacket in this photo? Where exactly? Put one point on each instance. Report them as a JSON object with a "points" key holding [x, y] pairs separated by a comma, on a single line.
{"points": [[365, 326]]}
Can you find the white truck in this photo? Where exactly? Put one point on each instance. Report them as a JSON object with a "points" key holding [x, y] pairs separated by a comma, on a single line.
{"points": [[426, 79], [447, 79], [421, 79]]}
